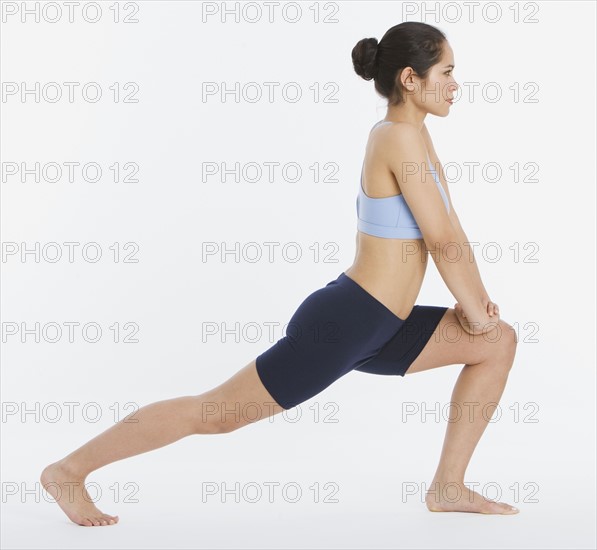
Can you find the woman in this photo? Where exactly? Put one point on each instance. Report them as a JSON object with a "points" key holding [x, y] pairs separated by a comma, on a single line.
{"points": [[366, 319]]}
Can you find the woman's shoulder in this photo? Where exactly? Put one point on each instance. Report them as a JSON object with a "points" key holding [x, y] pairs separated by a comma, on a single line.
{"points": [[396, 133], [397, 138]]}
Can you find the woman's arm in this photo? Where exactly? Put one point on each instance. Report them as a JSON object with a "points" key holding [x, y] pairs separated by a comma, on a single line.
{"points": [[468, 251], [406, 160]]}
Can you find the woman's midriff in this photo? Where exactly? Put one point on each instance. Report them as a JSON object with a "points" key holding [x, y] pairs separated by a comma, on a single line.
{"points": [[391, 270]]}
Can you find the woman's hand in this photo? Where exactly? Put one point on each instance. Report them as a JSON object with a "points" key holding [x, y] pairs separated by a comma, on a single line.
{"points": [[492, 311], [462, 319]]}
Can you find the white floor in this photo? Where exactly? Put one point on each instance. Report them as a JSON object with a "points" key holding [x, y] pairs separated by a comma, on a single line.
{"points": [[370, 511], [379, 524], [361, 465]]}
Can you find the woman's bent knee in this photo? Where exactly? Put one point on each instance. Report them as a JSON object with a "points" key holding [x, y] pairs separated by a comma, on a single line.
{"points": [[508, 334], [508, 343]]}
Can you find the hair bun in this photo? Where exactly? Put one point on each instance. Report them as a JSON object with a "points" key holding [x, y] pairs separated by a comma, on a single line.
{"points": [[364, 58]]}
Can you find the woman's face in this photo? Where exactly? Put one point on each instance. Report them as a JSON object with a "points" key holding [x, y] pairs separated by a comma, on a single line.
{"points": [[440, 86]]}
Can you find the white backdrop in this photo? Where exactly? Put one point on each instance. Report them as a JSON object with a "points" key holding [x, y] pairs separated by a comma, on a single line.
{"points": [[202, 248]]}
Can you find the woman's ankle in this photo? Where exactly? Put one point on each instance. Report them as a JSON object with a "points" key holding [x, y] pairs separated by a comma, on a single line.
{"points": [[72, 468], [448, 476]]}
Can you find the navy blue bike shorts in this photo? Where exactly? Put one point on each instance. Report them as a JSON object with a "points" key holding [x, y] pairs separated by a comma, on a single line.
{"points": [[339, 328]]}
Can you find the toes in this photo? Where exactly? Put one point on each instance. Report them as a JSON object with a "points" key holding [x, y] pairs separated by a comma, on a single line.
{"points": [[106, 519], [507, 509], [492, 507], [86, 522], [110, 519]]}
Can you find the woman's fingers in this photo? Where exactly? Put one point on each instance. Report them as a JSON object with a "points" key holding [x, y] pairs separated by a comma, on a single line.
{"points": [[459, 310], [492, 309]]}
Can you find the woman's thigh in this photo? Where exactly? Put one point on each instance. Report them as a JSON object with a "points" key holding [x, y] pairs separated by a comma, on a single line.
{"points": [[447, 344], [451, 345], [240, 400]]}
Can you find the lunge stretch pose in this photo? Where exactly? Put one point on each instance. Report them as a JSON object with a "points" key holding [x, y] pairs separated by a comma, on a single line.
{"points": [[365, 319]]}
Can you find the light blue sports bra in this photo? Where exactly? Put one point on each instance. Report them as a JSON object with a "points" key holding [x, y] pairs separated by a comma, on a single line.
{"points": [[390, 217]]}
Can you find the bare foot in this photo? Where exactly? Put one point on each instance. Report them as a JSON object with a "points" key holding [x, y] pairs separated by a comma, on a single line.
{"points": [[452, 496], [68, 490]]}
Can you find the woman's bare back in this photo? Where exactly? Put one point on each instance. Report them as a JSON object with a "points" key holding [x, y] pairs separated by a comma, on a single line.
{"points": [[392, 270]]}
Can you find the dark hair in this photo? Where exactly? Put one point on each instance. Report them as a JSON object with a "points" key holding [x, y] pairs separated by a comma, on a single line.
{"points": [[409, 44]]}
